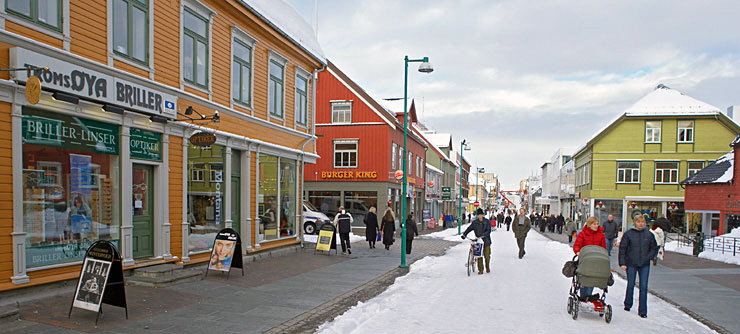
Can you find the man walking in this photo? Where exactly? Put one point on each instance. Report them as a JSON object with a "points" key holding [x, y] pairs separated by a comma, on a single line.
{"points": [[636, 250], [500, 219], [610, 231], [344, 221], [507, 220], [482, 229], [522, 224]]}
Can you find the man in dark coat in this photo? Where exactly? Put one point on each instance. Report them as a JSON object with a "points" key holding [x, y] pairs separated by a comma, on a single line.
{"points": [[507, 221], [522, 224], [611, 230], [482, 229], [343, 221], [561, 223], [636, 250], [411, 231], [500, 219], [371, 227]]}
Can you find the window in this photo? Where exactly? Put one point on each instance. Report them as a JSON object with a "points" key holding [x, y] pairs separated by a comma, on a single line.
{"points": [[301, 97], [345, 154], [628, 172], [695, 166], [131, 29], [652, 131], [46, 13], [393, 156], [276, 86], [217, 176], [409, 166], [685, 131], [195, 48], [666, 172], [241, 73], [51, 173], [197, 175], [341, 112]]}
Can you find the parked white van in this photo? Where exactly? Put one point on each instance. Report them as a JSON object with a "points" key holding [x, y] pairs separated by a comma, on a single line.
{"points": [[313, 219]]}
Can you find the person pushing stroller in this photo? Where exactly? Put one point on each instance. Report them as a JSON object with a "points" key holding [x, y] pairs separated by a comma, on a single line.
{"points": [[591, 234]]}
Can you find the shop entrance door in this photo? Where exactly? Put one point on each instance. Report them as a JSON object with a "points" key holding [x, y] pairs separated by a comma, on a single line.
{"points": [[143, 210]]}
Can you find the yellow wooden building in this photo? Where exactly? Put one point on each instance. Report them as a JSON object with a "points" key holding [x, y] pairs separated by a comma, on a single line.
{"points": [[157, 124]]}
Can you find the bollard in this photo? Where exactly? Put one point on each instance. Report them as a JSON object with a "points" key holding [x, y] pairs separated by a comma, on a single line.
{"points": [[698, 243]]}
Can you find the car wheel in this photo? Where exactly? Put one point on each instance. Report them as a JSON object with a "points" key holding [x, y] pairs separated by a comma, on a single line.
{"points": [[309, 228]]}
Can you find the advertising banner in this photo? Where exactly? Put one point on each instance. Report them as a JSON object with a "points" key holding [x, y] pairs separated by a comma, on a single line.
{"points": [[227, 252]]}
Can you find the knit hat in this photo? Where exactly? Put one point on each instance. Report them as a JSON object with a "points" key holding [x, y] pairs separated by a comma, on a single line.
{"points": [[479, 212]]}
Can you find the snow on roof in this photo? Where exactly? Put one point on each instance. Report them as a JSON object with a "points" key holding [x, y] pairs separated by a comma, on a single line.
{"points": [[735, 142], [439, 139], [720, 171], [286, 20], [666, 101]]}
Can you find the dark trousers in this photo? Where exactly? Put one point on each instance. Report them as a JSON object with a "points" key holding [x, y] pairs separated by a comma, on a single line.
{"points": [[520, 243], [570, 238], [507, 226], [632, 272], [486, 256], [408, 245], [344, 239], [609, 244]]}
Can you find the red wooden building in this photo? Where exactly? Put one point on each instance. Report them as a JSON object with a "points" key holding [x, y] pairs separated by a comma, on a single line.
{"points": [[360, 146]]}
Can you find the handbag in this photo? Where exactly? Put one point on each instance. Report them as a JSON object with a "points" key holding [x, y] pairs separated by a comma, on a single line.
{"points": [[378, 236], [569, 269]]}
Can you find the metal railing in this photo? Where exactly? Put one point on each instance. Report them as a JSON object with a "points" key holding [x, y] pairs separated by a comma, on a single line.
{"points": [[701, 242]]}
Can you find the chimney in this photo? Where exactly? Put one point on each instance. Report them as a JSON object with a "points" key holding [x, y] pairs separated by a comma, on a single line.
{"points": [[731, 111]]}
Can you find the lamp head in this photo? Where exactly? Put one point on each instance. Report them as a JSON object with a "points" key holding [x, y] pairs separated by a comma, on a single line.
{"points": [[189, 110], [425, 66], [216, 118]]}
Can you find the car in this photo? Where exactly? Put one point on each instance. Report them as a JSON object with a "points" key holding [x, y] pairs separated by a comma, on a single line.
{"points": [[313, 219]]}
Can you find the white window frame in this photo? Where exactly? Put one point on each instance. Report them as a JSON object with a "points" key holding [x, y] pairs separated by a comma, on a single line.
{"points": [[202, 10], [346, 114], [282, 62], [631, 170], [355, 142], [653, 134], [688, 131], [409, 166], [214, 177], [672, 173], [394, 148], [239, 36], [55, 168], [301, 115], [197, 175], [694, 170]]}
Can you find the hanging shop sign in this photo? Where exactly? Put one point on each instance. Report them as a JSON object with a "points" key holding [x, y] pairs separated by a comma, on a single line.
{"points": [[203, 139], [75, 133], [446, 193], [33, 89], [90, 84], [101, 280], [145, 145], [348, 175]]}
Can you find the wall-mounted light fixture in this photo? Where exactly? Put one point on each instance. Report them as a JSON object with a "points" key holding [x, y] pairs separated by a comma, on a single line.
{"points": [[158, 119], [113, 109], [190, 110], [59, 96]]}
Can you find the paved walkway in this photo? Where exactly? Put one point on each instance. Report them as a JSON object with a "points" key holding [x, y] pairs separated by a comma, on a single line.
{"points": [[707, 290], [289, 294]]}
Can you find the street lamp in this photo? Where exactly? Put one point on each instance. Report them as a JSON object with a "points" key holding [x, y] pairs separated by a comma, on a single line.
{"points": [[463, 147], [425, 67]]}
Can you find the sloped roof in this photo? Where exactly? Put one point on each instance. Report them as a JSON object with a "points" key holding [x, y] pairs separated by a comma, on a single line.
{"points": [[440, 139], [720, 171], [666, 101]]}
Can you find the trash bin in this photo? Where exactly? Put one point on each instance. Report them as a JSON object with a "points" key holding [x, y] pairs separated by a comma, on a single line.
{"points": [[698, 243]]}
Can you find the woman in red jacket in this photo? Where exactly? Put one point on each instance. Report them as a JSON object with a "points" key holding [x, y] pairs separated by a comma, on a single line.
{"points": [[591, 234]]}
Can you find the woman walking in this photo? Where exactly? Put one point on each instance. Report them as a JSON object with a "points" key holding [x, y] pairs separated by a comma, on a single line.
{"points": [[371, 227], [591, 234], [411, 230], [388, 227]]}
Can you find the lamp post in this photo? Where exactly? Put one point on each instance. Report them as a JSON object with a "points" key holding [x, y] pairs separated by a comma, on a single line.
{"points": [[463, 147], [424, 67]]}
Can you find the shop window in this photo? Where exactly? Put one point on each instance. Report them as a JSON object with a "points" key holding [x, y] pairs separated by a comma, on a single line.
{"points": [[685, 131], [394, 148], [276, 197], [241, 72], [205, 197], [195, 48], [288, 197], [46, 13], [345, 154], [694, 166], [652, 131], [131, 29], [341, 112], [628, 172], [649, 210], [71, 197], [666, 172], [276, 85], [326, 201], [358, 204], [301, 97]]}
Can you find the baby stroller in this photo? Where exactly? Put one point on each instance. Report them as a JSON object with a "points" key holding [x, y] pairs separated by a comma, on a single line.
{"points": [[592, 269]]}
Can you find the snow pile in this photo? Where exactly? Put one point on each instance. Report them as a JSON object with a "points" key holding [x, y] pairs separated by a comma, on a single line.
{"points": [[518, 296], [715, 255], [675, 246]]}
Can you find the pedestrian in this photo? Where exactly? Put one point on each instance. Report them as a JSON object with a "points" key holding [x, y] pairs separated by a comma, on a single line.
{"points": [[561, 223], [411, 231], [500, 219], [388, 227], [371, 227], [343, 220], [507, 221], [636, 249], [611, 230], [591, 234], [570, 229], [660, 240], [482, 229], [521, 227], [664, 225], [542, 222]]}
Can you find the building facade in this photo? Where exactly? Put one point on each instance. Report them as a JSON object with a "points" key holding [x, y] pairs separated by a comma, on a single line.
{"points": [[152, 125]]}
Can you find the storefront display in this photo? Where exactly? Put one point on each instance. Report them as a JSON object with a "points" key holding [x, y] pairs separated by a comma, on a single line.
{"points": [[277, 213], [205, 195], [70, 186], [605, 207]]}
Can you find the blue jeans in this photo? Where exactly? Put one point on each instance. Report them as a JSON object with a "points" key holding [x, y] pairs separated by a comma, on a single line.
{"points": [[632, 272], [609, 243], [586, 291]]}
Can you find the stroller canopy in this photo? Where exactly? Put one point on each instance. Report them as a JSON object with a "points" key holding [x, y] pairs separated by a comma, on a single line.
{"points": [[593, 267]]}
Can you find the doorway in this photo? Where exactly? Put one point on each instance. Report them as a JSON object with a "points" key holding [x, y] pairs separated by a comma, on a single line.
{"points": [[143, 210]]}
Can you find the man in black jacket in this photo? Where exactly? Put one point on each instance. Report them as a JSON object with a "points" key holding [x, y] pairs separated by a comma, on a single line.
{"points": [[611, 229], [344, 221], [482, 228], [411, 230], [636, 250]]}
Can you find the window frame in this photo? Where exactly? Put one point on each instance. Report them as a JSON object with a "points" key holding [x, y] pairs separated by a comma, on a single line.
{"points": [[394, 149], [245, 40], [334, 104], [650, 135], [690, 130], [33, 18], [281, 62], [301, 110], [632, 171], [355, 142], [199, 10], [130, 4], [689, 169], [672, 173], [200, 173]]}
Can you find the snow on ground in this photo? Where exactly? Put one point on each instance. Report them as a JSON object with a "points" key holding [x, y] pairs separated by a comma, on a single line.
{"points": [[352, 238], [518, 296], [715, 255]]}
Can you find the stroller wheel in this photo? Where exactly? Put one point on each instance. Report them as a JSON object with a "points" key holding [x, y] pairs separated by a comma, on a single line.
{"points": [[608, 314], [570, 305], [575, 310]]}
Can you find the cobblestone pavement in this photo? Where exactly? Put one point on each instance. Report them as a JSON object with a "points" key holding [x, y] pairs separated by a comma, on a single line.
{"points": [[295, 293], [706, 290]]}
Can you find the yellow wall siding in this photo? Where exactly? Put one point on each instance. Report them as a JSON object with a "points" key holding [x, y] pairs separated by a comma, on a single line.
{"points": [[131, 69], [88, 29], [6, 194], [33, 34], [167, 42], [175, 194]]}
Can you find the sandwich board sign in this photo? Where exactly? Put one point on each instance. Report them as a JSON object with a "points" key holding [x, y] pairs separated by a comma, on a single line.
{"points": [[227, 252], [327, 239], [101, 280]]}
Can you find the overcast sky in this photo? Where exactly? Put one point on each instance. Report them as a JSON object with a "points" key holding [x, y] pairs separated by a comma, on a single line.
{"points": [[520, 79]]}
